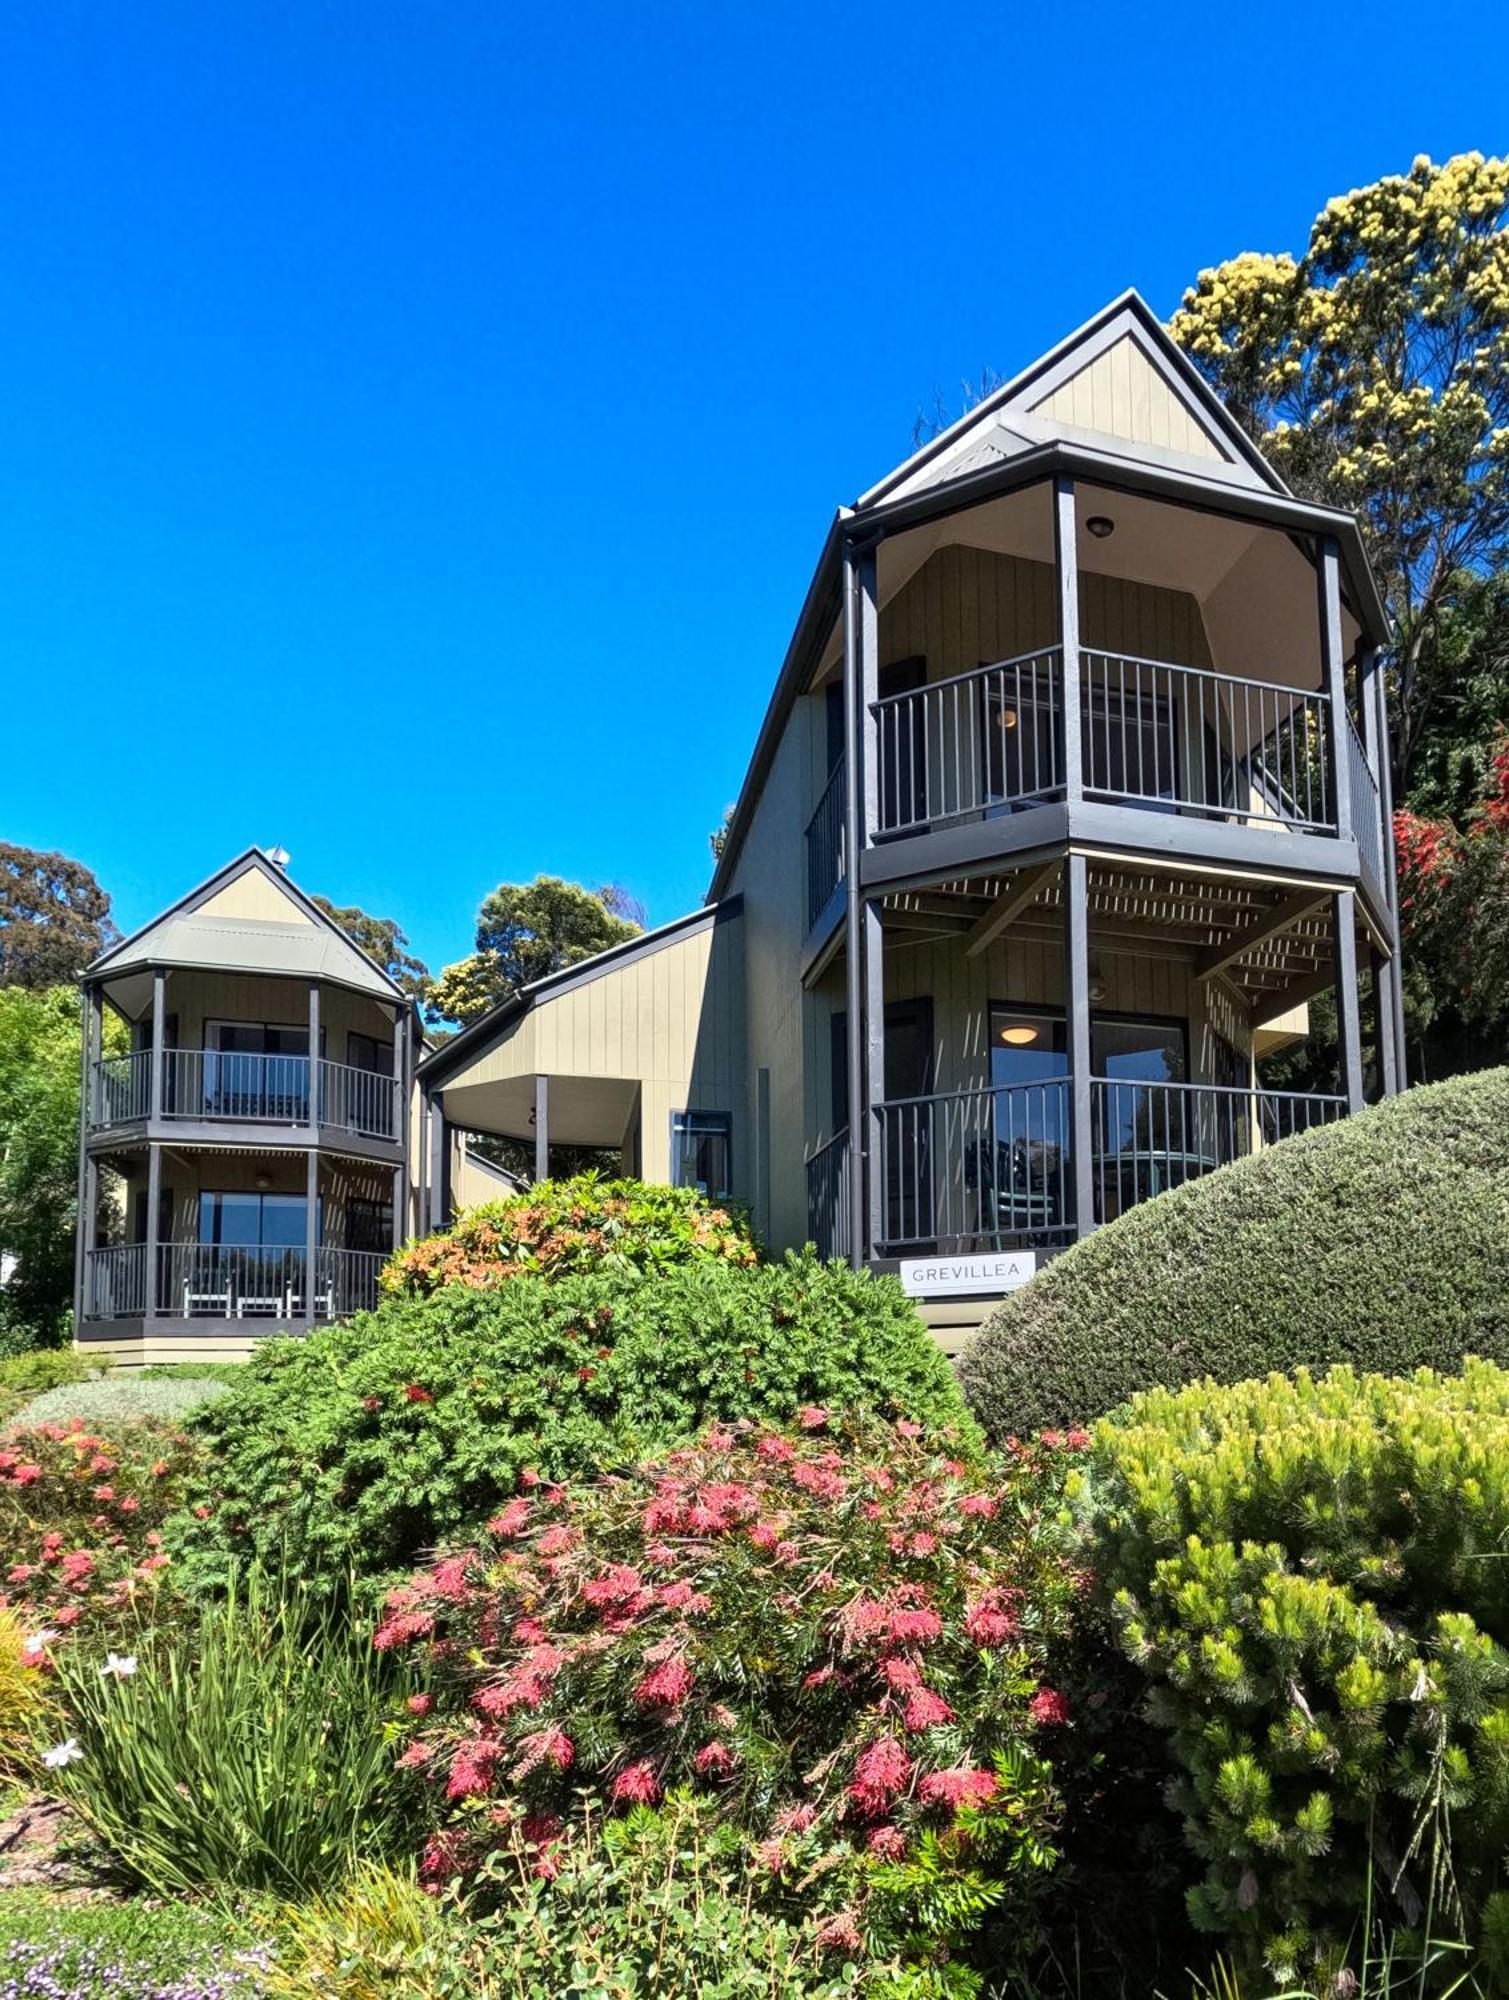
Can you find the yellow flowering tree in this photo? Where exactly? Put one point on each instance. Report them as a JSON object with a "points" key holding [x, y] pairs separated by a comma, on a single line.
{"points": [[1374, 372]]}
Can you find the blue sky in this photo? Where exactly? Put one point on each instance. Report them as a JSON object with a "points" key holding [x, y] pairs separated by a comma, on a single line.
{"points": [[419, 422]]}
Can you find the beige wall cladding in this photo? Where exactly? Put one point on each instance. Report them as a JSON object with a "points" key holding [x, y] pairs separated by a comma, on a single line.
{"points": [[1122, 395], [666, 1027], [253, 896]]}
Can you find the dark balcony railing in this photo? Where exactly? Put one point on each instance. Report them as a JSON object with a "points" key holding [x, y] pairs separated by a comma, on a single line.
{"points": [[1155, 735], [824, 845], [983, 1168], [211, 1084], [829, 1215], [228, 1281], [1367, 806]]}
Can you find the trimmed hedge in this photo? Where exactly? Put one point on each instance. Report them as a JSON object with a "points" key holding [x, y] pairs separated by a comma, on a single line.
{"points": [[375, 1440], [1382, 1241]]}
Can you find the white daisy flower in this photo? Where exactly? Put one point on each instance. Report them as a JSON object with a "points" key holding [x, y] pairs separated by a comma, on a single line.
{"points": [[121, 1666], [38, 1642], [62, 1753]]}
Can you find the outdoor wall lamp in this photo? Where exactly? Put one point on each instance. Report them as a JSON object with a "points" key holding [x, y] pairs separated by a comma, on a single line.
{"points": [[1101, 525]]}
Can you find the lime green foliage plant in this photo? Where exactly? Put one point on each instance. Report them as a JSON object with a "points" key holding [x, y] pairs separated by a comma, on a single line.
{"points": [[402, 1429], [1382, 1240], [33, 1372], [1311, 1575], [836, 1637], [244, 1750], [116, 1400], [563, 1228]]}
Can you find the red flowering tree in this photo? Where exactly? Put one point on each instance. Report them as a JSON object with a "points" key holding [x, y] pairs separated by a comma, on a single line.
{"points": [[1454, 907], [80, 1522], [837, 1637]]}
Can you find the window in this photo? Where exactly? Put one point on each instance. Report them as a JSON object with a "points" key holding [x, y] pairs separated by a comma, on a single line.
{"points": [[367, 1052], [369, 1224], [701, 1149], [253, 1221], [256, 1069]]}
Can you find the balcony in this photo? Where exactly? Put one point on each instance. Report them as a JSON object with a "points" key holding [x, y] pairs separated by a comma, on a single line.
{"points": [[991, 1169], [199, 1281], [1154, 737], [207, 1086]]}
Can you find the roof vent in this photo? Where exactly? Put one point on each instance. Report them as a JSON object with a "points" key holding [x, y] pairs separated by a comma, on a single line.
{"points": [[278, 856]]}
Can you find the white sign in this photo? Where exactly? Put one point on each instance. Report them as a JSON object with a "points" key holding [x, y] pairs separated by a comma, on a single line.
{"points": [[995, 1271]]}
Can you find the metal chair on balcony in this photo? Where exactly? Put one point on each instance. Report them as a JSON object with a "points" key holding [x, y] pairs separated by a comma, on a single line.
{"points": [[1012, 1195]]}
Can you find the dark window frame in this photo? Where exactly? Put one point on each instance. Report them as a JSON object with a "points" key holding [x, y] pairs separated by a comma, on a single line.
{"points": [[711, 1123]]}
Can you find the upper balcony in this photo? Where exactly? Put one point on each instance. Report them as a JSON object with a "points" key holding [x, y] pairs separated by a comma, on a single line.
{"points": [[212, 1087]]}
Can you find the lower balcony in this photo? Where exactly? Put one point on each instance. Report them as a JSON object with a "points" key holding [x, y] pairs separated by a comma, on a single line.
{"points": [[991, 1169], [193, 1282]]}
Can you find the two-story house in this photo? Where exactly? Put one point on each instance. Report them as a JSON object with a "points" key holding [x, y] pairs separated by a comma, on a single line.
{"points": [[1071, 794]]}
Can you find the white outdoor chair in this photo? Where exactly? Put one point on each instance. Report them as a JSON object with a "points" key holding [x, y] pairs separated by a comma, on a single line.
{"points": [[215, 1304]]}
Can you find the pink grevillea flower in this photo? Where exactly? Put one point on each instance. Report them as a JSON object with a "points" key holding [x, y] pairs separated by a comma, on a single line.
{"points": [[779, 1450], [793, 1820], [636, 1784], [528, 1631], [510, 1520], [712, 1760], [880, 1773], [26, 1475], [400, 1627], [681, 1597], [448, 1578], [813, 1417], [916, 1627], [1048, 1707], [989, 1622], [1077, 1440], [550, 1746], [77, 1567], [666, 1685], [616, 1586], [926, 1710], [980, 1506], [819, 1482], [900, 1674], [905, 1428], [421, 1704], [472, 1767], [558, 1541], [963, 1785], [840, 1932], [887, 1843]]}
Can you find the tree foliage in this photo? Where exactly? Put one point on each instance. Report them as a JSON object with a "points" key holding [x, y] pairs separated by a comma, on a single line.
{"points": [[526, 930], [385, 944], [39, 1138], [1374, 372], [54, 918]]}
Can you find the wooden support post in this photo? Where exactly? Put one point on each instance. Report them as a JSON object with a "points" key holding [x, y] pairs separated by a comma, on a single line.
{"points": [[437, 1150], [400, 1206], [541, 1129], [312, 1108], [1066, 561], [874, 961], [1348, 1025], [159, 1037], [1391, 874], [153, 1287], [83, 1235], [1334, 674], [311, 1232], [1077, 1016], [854, 818], [1383, 1024]]}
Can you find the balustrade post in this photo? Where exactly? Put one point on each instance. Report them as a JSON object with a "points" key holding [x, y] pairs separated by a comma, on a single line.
{"points": [[85, 1215], [1066, 562], [854, 817], [311, 1232], [873, 1122]]}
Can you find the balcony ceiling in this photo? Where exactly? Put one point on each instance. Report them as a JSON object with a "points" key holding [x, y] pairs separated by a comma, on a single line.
{"points": [[1148, 913]]}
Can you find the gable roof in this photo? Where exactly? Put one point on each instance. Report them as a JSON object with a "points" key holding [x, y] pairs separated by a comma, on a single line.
{"points": [[212, 928], [1119, 381]]}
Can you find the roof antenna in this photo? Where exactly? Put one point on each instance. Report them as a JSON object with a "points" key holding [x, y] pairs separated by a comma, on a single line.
{"points": [[278, 856]]}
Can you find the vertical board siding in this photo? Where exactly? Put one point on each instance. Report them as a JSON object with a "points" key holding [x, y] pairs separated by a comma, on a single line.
{"points": [[1121, 395]]}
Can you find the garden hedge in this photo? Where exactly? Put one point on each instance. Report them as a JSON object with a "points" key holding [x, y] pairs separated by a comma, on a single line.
{"points": [[374, 1440], [1382, 1241]]}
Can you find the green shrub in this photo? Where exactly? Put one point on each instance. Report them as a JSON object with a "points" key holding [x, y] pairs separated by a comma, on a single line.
{"points": [[124, 1951], [244, 1750], [25, 1376], [560, 1228], [1382, 1240], [1312, 1576], [121, 1399], [402, 1429], [836, 1638]]}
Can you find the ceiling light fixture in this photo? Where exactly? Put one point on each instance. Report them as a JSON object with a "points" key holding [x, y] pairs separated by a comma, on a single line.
{"points": [[1101, 525], [1020, 1035], [1007, 718]]}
